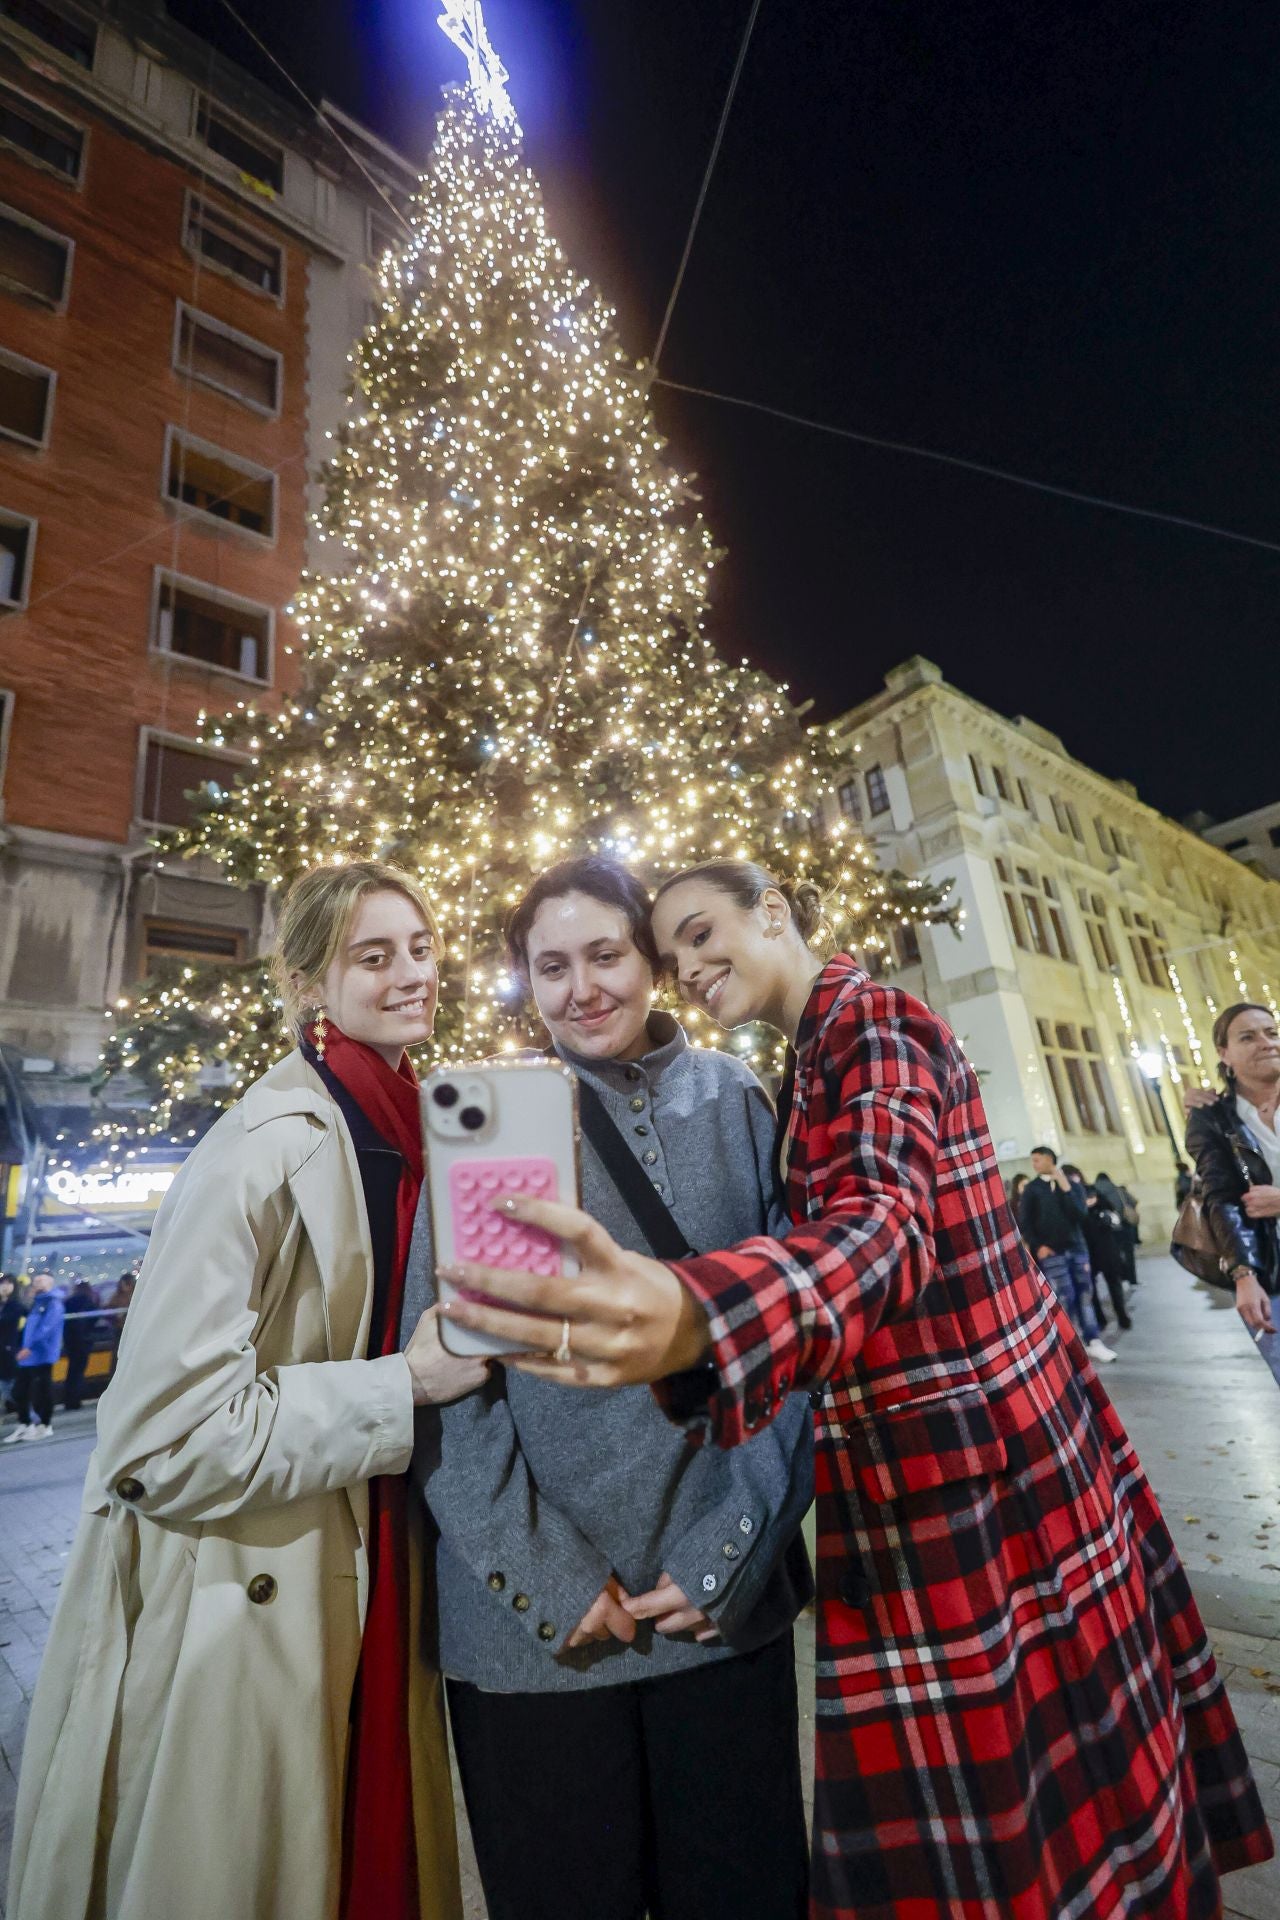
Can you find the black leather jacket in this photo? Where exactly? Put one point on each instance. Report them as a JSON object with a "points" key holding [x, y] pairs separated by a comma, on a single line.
{"points": [[1228, 1160]]}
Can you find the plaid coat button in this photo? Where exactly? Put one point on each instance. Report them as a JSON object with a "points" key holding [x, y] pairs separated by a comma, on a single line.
{"points": [[855, 1588]]}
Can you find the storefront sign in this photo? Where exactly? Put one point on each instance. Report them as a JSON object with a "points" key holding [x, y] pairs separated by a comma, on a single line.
{"points": [[133, 1189]]}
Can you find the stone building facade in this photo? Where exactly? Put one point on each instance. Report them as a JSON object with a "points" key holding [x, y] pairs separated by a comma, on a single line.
{"points": [[1097, 935]]}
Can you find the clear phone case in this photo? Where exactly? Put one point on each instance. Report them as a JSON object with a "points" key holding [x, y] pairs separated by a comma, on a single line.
{"points": [[488, 1131]]}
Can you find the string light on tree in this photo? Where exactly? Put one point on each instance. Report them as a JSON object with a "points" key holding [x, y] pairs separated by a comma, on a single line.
{"points": [[510, 664]]}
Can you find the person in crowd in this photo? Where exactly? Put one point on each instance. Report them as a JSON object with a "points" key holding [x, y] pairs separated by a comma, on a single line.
{"points": [[118, 1302], [79, 1336], [1052, 1217], [1019, 1713], [1106, 1258], [12, 1315], [616, 1610], [1125, 1207], [1017, 1186], [199, 1742], [1235, 1143], [35, 1360], [1080, 1193], [1182, 1181]]}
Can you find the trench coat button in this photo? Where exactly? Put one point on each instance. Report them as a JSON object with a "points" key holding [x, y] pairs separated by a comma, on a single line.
{"points": [[521, 1603], [129, 1489], [650, 1157], [496, 1582], [262, 1589], [709, 1583], [637, 1105], [546, 1631], [731, 1552], [855, 1588]]}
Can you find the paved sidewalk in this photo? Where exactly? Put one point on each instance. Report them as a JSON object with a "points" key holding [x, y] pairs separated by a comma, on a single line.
{"points": [[1197, 1396]]}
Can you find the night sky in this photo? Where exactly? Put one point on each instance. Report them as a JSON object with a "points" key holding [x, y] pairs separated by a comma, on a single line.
{"points": [[1038, 234]]}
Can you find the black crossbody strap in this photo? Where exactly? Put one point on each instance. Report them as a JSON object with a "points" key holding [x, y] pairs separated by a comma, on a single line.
{"points": [[651, 1214]]}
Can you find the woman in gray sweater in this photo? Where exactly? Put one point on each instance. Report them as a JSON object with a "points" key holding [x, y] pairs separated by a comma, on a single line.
{"points": [[615, 1606]]}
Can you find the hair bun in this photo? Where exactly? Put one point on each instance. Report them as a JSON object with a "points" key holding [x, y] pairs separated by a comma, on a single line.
{"points": [[808, 908]]}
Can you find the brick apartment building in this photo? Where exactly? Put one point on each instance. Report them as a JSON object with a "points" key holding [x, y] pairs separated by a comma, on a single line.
{"points": [[184, 264]]}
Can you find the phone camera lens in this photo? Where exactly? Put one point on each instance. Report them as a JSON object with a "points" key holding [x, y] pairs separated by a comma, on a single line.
{"points": [[446, 1095], [472, 1119]]}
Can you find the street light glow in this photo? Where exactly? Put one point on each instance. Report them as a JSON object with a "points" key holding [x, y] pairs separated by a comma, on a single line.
{"points": [[1151, 1063]]}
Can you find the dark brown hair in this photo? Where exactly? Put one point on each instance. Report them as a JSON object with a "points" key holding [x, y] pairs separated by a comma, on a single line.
{"points": [[746, 884], [607, 881]]}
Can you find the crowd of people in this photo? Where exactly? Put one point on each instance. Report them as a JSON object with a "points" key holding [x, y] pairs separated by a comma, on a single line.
{"points": [[1080, 1236], [310, 1530], [46, 1318]]}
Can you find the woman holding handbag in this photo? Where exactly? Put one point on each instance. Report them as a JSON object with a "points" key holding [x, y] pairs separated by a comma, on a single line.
{"points": [[228, 1721], [1018, 1710], [1234, 1142], [615, 1606]]}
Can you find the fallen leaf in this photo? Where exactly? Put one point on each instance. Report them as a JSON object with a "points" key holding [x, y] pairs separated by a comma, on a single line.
{"points": [[1269, 1566], [1253, 1496], [1211, 1536], [1260, 1673], [1215, 1558], [1192, 1519]]}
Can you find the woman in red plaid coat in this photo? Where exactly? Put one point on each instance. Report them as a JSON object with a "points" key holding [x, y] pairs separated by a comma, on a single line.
{"points": [[1018, 1713]]}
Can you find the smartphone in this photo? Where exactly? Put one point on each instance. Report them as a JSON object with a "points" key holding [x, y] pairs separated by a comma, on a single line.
{"points": [[504, 1127]]}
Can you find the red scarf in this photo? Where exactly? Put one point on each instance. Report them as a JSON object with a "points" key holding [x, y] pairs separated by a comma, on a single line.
{"points": [[379, 1852]]}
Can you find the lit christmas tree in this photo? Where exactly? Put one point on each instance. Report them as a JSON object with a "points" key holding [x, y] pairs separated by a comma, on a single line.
{"points": [[509, 665]]}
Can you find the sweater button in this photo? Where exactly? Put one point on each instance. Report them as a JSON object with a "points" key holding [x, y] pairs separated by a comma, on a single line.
{"points": [[130, 1489], [262, 1589], [546, 1631], [637, 1105], [650, 1157], [641, 1127], [496, 1582], [521, 1603]]}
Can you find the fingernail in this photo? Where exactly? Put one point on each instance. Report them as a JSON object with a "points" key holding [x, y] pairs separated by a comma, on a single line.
{"points": [[450, 1273]]}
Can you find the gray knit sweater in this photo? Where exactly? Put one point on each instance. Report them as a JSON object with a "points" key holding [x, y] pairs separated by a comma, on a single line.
{"points": [[539, 1493]]}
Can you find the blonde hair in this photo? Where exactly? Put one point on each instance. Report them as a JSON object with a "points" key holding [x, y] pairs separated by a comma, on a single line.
{"points": [[746, 883], [317, 916]]}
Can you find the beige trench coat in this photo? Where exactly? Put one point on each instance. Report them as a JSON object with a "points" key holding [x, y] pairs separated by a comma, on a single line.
{"points": [[186, 1750]]}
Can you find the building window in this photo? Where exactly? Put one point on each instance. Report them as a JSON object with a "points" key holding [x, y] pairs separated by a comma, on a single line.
{"points": [[1082, 1088], [41, 135], [17, 550], [1001, 779], [385, 236], [1098, 927], [1024, 794], [63, 30], [980, 785], [218, 630], [218, 485], [1147, 944], [906, 945], [850, 801], [1068, 820], [233, 247], [244, 150], [231, 362], [34, 262], [1105, 840], [181, 940], [26, 399], [6, 721], [877, 791], [175, 777], [1034, 912]]}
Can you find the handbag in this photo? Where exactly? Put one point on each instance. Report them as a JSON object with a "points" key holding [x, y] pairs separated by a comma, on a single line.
{"points": [[1192, 1244]]}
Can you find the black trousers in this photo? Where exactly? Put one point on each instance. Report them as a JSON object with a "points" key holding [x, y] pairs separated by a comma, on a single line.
{"points": [[33, 1388], [73, 1386], [678, 1798]]}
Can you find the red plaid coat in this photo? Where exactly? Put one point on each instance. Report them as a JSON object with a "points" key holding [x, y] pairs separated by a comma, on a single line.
{"points": [[1019, 1717]]}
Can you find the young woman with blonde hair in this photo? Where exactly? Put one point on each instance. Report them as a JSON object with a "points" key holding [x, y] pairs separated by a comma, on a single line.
{"points": [[230, 1719]]}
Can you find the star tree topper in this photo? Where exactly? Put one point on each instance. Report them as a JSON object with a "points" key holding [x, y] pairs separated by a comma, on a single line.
{"points": [[463, 22]]}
